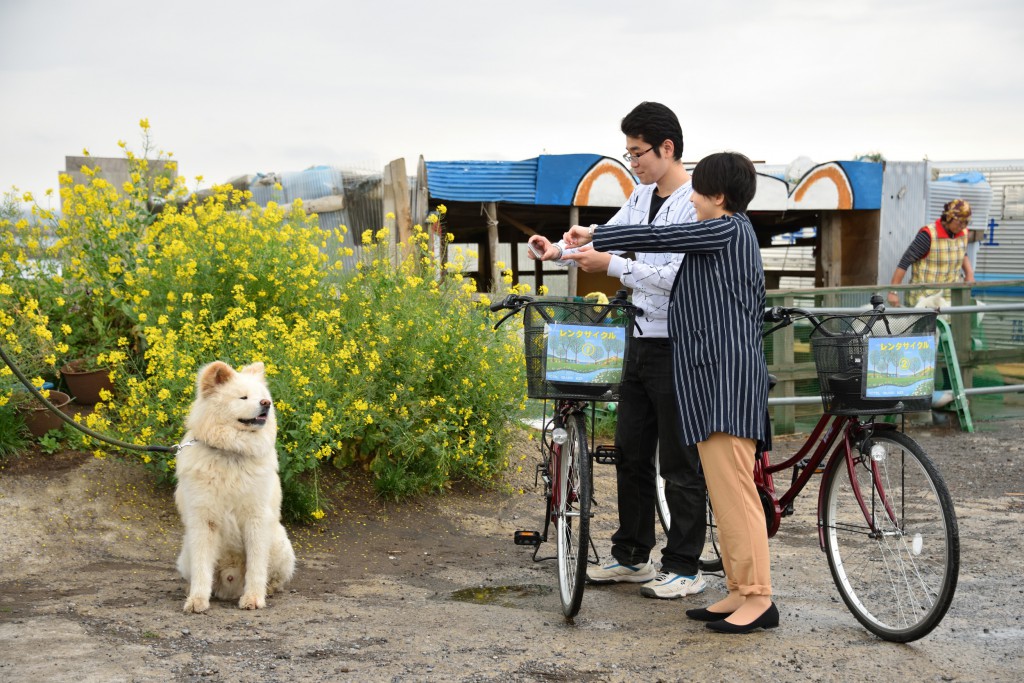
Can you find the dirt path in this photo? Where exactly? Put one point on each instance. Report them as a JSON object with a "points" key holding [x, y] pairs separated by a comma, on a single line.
{"points": [[435, 590]]}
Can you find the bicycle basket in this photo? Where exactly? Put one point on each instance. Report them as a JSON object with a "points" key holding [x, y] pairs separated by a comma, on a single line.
{"points": [[575, 349], [874, 364]]}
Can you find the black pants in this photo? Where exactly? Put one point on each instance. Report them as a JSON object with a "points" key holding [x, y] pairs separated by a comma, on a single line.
{"points": [[648, 415]]}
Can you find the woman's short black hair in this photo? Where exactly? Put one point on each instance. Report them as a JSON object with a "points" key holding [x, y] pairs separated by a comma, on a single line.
{"points": [[655, 123], [730, 174]]}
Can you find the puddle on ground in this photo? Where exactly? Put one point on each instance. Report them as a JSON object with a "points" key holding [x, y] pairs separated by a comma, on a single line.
{"points": [[503, 596]]}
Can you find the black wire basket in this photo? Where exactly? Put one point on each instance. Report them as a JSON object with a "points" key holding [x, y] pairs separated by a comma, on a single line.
{"points": [[575, 349], [840, 346]]}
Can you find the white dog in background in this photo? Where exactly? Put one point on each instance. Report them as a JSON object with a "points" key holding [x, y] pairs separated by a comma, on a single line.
{"points": [[229, 492]]}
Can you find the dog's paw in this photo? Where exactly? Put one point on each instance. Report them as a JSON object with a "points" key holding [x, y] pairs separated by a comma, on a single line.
{"points": [[196, 605], [252, 601]]}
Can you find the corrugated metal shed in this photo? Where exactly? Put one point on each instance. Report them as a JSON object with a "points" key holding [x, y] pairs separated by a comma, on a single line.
{"points": [[483, 181], [361, 209], [547, 180], [978, 194], [904, 209], [913, 195], [1001, 256]]}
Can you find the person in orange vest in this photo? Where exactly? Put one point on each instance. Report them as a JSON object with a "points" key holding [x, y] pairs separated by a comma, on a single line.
{"points": [[938, 254]]}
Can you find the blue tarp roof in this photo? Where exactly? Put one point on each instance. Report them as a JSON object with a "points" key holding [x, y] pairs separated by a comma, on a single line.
{"points": [[550, 179]]}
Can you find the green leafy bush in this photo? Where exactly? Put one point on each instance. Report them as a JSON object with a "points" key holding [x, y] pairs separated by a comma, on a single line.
{"points": [[393, 367]]}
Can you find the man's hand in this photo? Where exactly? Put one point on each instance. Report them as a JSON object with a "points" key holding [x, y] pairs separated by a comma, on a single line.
{"points": [[589, 260], [548, 251], [577, 236], [894, 300]]}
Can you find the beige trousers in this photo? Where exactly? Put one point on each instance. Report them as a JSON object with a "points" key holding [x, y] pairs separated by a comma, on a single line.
{"points": [[728, 463]]}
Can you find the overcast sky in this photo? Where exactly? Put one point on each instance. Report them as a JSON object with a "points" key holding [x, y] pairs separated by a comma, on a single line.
{"points": [[235, 88]]}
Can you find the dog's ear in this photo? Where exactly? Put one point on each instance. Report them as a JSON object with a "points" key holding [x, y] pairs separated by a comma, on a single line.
{"points": [[255, 369], [211, 376]]}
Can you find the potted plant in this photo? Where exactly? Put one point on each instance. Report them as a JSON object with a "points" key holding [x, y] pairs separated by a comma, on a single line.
{"points": [[39, 418], [93, 328], [85, 380]]}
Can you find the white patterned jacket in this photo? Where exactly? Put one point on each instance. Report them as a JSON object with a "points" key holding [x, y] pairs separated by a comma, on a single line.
{"points": [[651, 276]]}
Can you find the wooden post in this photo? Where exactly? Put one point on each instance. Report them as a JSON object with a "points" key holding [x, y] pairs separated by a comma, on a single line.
{"points": [[421, 198], [396, 184], [572, 276], [491, 212], [388, 199], [961, 328], [830, 259], [514, 259]]}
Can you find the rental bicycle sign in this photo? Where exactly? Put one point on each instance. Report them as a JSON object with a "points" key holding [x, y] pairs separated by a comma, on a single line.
{"points": [[900, 367], [585, 354]]}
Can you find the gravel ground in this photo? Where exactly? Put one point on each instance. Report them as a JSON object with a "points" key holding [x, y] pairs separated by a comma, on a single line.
{"points": [[434, 589]]}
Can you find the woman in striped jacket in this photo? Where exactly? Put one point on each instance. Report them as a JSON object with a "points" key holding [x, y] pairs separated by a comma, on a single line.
{"points": [[715, 322]]}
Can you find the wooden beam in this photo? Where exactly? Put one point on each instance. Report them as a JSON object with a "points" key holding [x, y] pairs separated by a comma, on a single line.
{"points": [[333, 202], [518, 225]]}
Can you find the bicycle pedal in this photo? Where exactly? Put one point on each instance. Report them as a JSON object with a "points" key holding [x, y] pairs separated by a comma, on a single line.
{"points": [[528, 538], [606, 455], [805, 463]]}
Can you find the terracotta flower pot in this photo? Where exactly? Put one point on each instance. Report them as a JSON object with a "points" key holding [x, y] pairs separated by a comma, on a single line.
{"points": [[86, 386], [40, 419]]}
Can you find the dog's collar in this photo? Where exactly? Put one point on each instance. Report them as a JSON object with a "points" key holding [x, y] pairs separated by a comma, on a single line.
{"points": [[190, 442]]}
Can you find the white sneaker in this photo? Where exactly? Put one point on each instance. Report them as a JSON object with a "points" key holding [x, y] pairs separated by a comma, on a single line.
{"points": [[668, 586], [613, 572]]}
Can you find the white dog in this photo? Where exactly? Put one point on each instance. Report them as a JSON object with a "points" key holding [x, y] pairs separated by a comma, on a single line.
{"points": [[229, 492]]}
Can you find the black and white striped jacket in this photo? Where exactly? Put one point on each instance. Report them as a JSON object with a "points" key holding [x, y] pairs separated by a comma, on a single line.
{"points": [[715, 321]]}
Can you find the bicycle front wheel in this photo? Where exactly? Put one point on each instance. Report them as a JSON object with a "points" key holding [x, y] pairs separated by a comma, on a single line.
{"points": [[572, 514], [891, 537]]}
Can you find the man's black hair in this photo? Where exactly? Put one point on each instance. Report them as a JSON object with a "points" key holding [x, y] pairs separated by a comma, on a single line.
{"points": [[729, 174], [655, 123]]}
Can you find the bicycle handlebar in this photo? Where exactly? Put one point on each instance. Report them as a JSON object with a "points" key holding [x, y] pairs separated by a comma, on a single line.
{"points": [[515, 302], [784, 316]]}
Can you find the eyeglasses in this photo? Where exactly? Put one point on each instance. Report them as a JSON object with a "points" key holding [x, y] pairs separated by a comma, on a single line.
{"points": [[630, 158]]}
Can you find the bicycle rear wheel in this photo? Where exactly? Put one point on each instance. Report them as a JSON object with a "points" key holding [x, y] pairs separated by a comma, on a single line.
{"points": [[711, 557], [898, 574], [572, 514]]}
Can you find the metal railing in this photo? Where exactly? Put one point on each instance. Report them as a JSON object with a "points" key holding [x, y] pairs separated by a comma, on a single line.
{"points": [[790, 361]]}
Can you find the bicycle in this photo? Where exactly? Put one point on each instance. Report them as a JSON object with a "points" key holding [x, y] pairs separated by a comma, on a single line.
{"points": [[597, 336], [886, 521]]}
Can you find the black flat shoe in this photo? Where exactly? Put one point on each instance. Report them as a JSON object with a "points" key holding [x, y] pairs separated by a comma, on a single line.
{"points": [[702, 614], [768, 619]]}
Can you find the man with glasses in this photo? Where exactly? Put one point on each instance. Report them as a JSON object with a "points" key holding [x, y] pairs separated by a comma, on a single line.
{"points": [[938, 254], [648, 424]]}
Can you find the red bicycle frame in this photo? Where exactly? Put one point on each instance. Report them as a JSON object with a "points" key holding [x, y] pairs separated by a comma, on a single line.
{"points": [[808, 460]]}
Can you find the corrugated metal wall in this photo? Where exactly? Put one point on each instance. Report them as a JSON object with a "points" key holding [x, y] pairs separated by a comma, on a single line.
{"points": [[904, 198], [1001, 256], [979, 195], [1002, 252], [363, 209]]}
